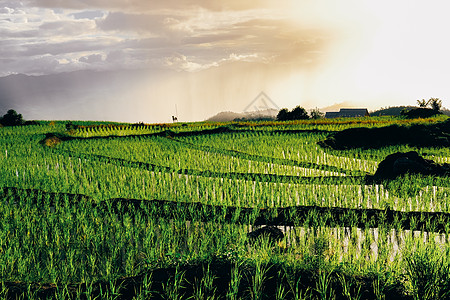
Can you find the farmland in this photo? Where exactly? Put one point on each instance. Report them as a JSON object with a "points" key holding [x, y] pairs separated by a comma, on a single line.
{"points": [[163, 211]]}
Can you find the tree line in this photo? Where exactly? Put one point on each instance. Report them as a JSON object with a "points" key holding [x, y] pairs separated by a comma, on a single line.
{"points": [[298, 113], [12, 118]]}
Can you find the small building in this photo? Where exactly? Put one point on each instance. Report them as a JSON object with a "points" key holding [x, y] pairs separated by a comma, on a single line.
{"points": [[332, 114], [348, 113]]}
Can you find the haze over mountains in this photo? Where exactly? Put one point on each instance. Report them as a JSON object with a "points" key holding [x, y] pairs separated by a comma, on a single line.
{"points": [[80, 95], [226, 116], [148, 95], [135, 96], [130, 96]]}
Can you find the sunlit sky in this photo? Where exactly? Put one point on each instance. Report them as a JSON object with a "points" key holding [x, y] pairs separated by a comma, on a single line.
{"points": [[154, 58]]}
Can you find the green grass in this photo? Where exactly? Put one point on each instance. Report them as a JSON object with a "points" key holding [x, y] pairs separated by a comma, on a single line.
{"points": [[52, 238]]}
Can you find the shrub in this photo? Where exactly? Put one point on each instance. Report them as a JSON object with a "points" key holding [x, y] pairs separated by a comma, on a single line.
{"points": [[317, 114], [70, 126], [31, 123], [51, 141]]}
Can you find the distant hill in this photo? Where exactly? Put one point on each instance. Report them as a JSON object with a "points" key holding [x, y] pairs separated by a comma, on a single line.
{"points": [[396, 111], [271, 114], [79, 95], [337, 106], [390, 111], [227, 116]]}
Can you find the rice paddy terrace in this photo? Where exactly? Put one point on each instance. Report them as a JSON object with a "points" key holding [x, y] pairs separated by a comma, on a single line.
{"points": [[92, 210]]}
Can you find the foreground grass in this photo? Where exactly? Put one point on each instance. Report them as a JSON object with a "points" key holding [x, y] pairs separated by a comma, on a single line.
{"points": [[73, 245]]}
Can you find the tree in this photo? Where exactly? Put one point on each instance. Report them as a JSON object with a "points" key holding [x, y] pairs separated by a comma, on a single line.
{"points": [[12, 118], [423, 103], [298, 113], [435, 103], [283, 115], [316, 114]]}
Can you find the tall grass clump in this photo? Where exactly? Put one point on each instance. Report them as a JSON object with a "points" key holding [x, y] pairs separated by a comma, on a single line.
{"points": [[428, 271]]}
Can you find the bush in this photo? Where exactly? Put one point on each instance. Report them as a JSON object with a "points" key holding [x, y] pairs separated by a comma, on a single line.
{"points": [[317, 114], [31, 123], [51, 140], [70, 126]]}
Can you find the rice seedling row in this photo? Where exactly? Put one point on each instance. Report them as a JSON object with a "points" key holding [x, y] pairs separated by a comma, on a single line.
{"points": [[314, 216], [176, 157]]}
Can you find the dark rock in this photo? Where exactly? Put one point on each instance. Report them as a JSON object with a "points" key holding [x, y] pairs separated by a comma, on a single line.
{"points": [[273, 233], [411, 162], [418, 135]]}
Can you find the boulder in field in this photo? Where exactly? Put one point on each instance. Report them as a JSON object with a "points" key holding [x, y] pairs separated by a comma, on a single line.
{"points": [[416, 135], [400, 163], [274, 234]]}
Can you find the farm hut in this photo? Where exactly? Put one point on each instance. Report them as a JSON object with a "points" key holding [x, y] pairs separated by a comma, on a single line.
{"points": [[332, 114], [348, 113]]}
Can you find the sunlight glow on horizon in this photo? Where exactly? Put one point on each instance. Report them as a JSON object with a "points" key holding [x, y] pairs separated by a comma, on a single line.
{"points": [[391, 53]]}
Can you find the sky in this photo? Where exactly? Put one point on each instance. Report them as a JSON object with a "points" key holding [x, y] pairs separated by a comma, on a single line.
{"points": [[146, 60]]}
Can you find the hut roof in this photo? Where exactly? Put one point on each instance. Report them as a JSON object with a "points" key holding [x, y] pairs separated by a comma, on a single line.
{"points": [[348, 113], [354, 112]]}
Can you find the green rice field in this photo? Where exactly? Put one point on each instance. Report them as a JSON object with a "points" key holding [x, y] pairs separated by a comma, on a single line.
{"points": [[164, 211]]}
